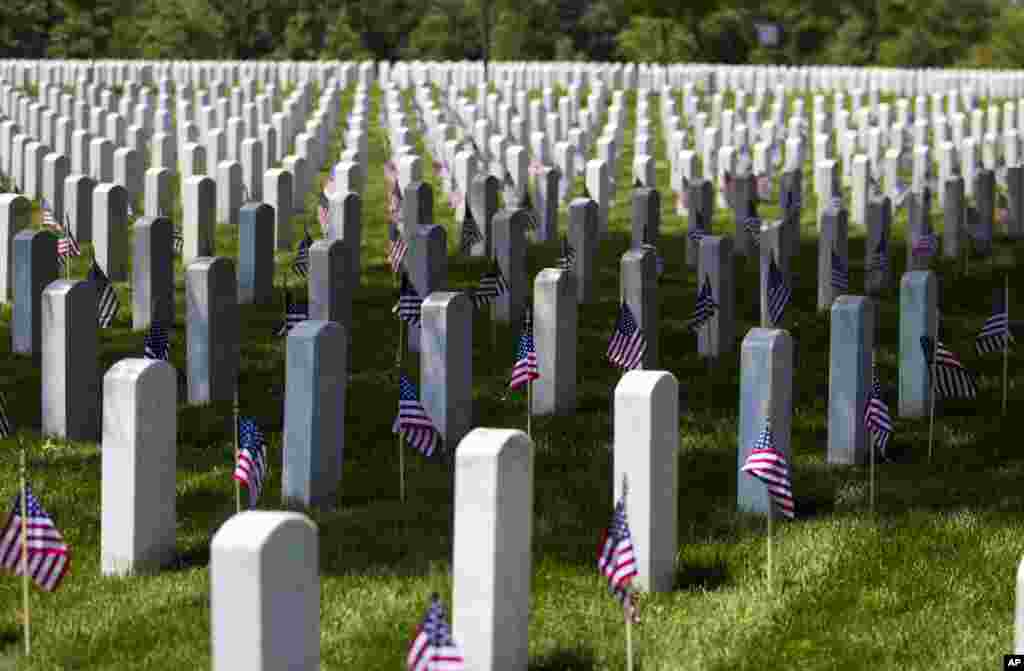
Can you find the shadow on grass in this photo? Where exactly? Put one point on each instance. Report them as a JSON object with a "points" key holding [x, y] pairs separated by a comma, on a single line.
{"points": [[704, 576], [564, 660]]}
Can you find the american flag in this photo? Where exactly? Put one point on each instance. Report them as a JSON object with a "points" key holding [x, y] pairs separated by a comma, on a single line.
{"points": [[876, 416], [835, 203], [616, 559], [396, 253], [412, 421], [526, 205], [47, 213], [300, 266], [294, 313], [752, 225], [791, 200], [705, 308], [251, 467], [67, 246], [323, 211], [395, 204], [778, 292], [107, 304], [923, 244], [697, 230], [470, 233], [525, 369], [879, 261], [157, 344], [408, 306], [769, 466], [433, 648], [48, 557], [492, 284], [952, 380], [995, 335], [568, 258], [628, 344], [840, 273], [177, 240], [6, 428]]}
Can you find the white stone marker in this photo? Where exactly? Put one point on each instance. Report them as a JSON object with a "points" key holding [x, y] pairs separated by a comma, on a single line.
{"points": [[918, 317], [491, 556], [646, 445], [850, 352], [554, 331], [140, 400], [265, 593]]}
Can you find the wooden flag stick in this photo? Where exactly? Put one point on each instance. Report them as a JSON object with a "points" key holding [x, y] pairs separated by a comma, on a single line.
{"points": [[1006, 340], [629, 636], [24, 550], [771, 505], [529, 407], [871, 449], [931, 405], [238, 486]]}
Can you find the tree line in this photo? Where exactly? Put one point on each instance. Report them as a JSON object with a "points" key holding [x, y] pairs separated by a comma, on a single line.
{"points": [[898, 33]]}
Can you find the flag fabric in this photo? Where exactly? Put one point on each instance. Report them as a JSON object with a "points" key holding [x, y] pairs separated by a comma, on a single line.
{"points": [[525, 369], [294, 313], [433, 648], [769, 466], [300, 266], [156, 344], [396, 253], [840, 273], [705, 308], [924, 244], [492, 284], [752, 225], [6, 428], [995, 335], [876, 417], [778, 292], [628, 345], [568, 258], [107, 304], [178, 241], [412, 422], [48, 556], [47, 216], [395, 204], [879, 261], [951, 380], [323, 211], [470, 232], [251, 467], [616, 557], [67, 246], [408, 306]]}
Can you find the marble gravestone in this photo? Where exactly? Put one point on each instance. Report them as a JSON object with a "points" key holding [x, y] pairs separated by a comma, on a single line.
{"points": [[555, 317], [211, 329], [138, 513], [918, 317], [152, 272], [70, 361], [265, 593], [491, 554], [446, 363], [850, 376], [314, 413], [766, 394], [645, 455], [35, 266]]}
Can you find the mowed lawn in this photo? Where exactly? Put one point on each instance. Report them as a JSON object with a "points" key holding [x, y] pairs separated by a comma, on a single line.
{"points": [[926, 583]]}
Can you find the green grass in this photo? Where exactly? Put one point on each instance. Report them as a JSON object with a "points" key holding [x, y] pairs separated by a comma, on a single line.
{"points": [[927, 583]]}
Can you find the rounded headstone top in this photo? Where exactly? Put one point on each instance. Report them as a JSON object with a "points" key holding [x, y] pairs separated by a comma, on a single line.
{"points": [[490, 443], [130, 370], [645, 383], [315, 329], [253, 530]]}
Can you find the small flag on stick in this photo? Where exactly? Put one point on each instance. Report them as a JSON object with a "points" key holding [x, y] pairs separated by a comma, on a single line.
{"points": [[251, 467], [433, 648], [48, 555]]}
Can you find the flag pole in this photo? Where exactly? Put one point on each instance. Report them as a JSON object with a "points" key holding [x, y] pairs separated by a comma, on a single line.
{"points": [[771, 505], [238, 486], [529, 406], [1006, 340], [401, 452], [931, 387], [24, 551], [629, 634]]}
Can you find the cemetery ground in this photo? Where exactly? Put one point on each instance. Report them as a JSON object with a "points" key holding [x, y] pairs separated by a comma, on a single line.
{"points": [[927, 582]]}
